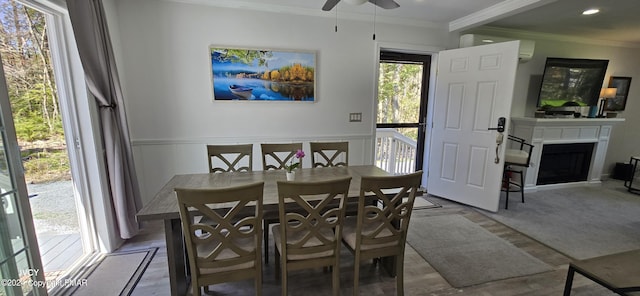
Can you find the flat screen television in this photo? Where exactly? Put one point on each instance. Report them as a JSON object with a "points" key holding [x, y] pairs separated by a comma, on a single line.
{"points": [[571, 82]]}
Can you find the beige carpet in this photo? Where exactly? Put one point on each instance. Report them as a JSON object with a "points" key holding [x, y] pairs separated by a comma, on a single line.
{"points": [[115, 274], [580, 222]]}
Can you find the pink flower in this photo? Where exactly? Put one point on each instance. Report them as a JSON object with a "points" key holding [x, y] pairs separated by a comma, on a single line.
{"points": [[292, 166], [299, 154]]}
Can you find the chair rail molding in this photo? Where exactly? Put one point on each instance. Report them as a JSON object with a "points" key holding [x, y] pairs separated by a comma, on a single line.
{"points": [[158, 160]]}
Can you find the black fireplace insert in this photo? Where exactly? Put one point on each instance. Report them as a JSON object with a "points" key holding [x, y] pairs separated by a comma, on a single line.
{"points": [[564, 163]]}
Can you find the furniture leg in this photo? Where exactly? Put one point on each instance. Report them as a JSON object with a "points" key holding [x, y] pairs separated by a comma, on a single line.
{"points": [[522, 185], [506, 180], [389, 265], [178, 275], [634, 162], [569, 282], [265, 239]]}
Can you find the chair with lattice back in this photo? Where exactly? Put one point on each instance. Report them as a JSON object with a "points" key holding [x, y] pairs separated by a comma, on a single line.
{"points": [[276, 156], [380, 229], [328, 154], [227, 247], [230, 158], [309, 236]]}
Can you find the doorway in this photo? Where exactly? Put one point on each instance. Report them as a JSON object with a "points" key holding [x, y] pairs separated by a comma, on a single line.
{"points": [[403, 87], [45, 113]]}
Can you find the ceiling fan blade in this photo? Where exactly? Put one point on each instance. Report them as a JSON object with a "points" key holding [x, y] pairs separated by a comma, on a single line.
{"points": [[330, 4], [386, 4]]}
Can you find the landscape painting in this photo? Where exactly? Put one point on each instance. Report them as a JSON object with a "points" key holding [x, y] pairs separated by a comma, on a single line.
{"points": [[262, 75]]}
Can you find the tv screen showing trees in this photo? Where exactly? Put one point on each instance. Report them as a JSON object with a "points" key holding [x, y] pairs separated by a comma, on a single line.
{"points": [[571, 82]]}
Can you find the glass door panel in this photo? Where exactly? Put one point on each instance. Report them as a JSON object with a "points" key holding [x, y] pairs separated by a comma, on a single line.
{"points": [[401, 117], [20, 265]]}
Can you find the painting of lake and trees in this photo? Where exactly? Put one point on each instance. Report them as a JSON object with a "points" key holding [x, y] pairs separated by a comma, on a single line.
{"points": [[262, 75]]}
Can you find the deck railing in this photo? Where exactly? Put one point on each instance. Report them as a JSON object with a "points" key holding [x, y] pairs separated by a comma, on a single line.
{"points": [[395, 152]]}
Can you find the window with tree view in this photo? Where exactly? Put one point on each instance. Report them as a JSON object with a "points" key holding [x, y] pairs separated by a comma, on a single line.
{"points": [[402, 85]]}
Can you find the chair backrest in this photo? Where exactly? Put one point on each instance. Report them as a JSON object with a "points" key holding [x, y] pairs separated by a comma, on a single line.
{"points": [[519, 153], [230, 158], [385, 221], [311, 216], [231, 238], [276, 156], [327, 154]]}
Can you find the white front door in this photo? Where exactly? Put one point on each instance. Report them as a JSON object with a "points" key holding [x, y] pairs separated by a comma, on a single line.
{"points": [[474, 88]]}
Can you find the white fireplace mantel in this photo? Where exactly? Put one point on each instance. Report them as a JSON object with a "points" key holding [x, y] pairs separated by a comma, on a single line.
{"points": [[542, 131]]}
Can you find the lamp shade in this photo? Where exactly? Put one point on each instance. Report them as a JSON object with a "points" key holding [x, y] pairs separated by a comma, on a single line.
{"points": [[608, 93], [355, 2]]}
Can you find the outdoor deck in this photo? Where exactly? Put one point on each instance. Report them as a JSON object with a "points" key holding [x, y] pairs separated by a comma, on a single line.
{"points": [[58, 252]]}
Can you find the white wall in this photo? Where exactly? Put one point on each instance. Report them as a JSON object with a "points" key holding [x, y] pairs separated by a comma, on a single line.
{"points": [[165, 69], [623, 61]]}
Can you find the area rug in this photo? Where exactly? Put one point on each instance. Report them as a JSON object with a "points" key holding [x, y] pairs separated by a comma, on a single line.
{"points": [[115, 274], [580, 222], [421, 203], [466, 254]]}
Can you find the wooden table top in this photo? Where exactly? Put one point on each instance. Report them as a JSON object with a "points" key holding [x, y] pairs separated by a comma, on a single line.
{"points": [[165, 205]]}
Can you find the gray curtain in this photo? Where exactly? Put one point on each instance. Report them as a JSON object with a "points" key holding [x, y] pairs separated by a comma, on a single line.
{"points": [[94, 46]]}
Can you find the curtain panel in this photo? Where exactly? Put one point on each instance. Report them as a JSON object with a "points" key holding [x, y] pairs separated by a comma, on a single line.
{"points": [[96, 54]]}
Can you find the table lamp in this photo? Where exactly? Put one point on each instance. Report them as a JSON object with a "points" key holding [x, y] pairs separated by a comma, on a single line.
{"points": [[605, 94]]}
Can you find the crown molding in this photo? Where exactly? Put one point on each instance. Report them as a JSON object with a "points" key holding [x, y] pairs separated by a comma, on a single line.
{"points": [[503, 9], [283, 9], [521, 34]]}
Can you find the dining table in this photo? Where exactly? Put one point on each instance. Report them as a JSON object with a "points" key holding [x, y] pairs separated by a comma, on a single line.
{"points": [[164, 205]]}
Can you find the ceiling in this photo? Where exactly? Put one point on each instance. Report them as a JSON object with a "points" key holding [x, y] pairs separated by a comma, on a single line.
{"points": [[617, 22]]}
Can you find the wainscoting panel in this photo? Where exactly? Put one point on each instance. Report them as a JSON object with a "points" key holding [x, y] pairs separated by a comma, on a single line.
{"points": [[157, 161]]}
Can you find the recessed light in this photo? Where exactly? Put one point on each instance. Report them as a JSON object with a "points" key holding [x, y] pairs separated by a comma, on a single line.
{"points": [[590, 11]]}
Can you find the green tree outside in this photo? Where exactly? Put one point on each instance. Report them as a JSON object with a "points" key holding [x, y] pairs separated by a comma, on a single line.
{"points": [[399, 89], [32, 92]]}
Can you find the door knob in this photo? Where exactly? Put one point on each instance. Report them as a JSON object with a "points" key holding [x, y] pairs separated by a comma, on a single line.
{"points": [[501, 123]]}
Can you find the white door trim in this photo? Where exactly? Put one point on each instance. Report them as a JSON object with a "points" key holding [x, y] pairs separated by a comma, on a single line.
{"points": [[82, 133], [433, 51]]}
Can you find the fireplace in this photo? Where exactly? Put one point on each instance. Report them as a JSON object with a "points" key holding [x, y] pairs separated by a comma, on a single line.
{"points": [[564, 163], [545, 133]]}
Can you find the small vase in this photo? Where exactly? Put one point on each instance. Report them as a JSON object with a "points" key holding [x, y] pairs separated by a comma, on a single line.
{"points": [[291, 176]]}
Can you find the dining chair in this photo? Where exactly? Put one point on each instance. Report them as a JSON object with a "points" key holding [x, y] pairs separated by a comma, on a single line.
{"points": [[227, 247], [275, 157], [230, 158], [380, 229], [310, 236], [326, 154]]}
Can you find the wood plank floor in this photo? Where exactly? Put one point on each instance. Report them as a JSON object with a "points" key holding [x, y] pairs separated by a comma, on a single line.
{"points": [[58, 252], [420, 277]]}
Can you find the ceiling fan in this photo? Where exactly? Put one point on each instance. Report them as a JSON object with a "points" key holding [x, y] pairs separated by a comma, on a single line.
{"points": [[386, 4]]}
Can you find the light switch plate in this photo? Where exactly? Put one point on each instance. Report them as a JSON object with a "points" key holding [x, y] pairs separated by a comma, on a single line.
{"points": [[355, 117]]}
